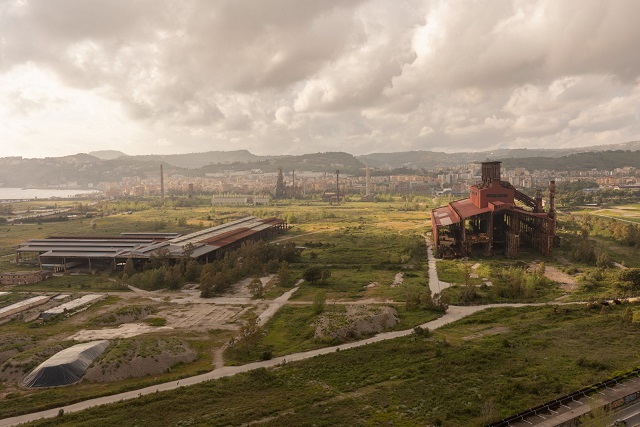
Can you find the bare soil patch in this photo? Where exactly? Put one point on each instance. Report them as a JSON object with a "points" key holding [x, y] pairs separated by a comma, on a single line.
{"points": [[202, 317], [567, 283]]}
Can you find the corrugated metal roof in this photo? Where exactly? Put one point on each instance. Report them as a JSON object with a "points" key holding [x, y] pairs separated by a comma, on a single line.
{"points": [[205, 241], [444, 216], [466, 209]]}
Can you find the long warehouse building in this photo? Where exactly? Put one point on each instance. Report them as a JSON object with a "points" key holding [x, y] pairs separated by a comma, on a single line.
{"points": [[59, 253]]}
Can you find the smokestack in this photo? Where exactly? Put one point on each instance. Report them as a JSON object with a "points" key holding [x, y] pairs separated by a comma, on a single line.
{"points": [[161, 182], [293, 188], [552, 196], [490, 171], [338, 185]]}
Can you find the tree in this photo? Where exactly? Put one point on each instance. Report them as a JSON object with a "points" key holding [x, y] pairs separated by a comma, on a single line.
{"points": [[256, 288], [603, 260], [157, 278], [187, 251], [284, 274], [160, 257], [280, 187], [192, 271], [319, 301], [632, 277], [312, 274], [207, 275], [129, 268], [325, 276], [173, 277], [250, 333]]}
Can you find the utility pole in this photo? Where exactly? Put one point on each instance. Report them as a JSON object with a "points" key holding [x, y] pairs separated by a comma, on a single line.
{"points": [[161, 182], [338, 185]]}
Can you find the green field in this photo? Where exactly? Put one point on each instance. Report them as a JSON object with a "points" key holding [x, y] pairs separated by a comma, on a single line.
{"points": [[487, 366]]}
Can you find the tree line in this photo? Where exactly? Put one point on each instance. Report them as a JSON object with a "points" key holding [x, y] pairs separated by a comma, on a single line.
{"points": [[251, 259]]}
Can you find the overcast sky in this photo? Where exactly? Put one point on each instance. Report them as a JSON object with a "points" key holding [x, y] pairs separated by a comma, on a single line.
{"points": [[303, 76]]}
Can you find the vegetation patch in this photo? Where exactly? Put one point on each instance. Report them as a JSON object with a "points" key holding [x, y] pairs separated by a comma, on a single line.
{"points": [[428, 379], [126, 314], [138, 357], [353, 322]]}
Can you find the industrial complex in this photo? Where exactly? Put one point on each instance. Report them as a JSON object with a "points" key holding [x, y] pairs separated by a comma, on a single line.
{"points": [[60, 253], [495, 219]]}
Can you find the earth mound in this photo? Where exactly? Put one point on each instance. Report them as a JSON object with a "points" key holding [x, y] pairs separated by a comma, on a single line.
{"points": [[65, 367], [355, 321]]}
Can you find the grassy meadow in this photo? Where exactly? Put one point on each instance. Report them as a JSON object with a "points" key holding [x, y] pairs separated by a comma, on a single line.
{"points": [[487, 366]]}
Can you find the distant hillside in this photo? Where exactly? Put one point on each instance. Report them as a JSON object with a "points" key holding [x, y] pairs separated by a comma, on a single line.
{"points": [[318, 162], [198, 160], [604, 160], [107, 154], [432, 159], [81, 169], [84, 169]]}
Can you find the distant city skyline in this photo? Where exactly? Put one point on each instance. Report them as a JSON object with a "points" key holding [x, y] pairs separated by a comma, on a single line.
{"points": [[294, 77]]}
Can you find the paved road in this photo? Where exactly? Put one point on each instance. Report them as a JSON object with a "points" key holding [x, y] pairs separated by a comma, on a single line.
{"points": [[631, 415]]}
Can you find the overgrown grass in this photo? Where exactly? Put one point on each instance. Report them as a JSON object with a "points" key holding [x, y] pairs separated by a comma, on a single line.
{"points": [[292, 330], [34, 400], [441, 379], [82, 283]]}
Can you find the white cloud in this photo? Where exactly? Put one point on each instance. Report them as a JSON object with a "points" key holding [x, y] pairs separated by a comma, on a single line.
{"points": [[289, 76]]}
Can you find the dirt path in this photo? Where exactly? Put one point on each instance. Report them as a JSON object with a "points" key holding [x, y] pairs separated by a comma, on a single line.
{"points": [[275, 305], [567, 283], [435, 285]]}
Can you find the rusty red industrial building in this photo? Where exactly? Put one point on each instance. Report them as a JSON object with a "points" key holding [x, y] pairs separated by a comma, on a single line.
{"points": [[491, 222]]}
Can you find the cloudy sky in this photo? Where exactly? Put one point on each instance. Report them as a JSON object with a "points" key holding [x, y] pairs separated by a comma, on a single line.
{"points": [[303, 76]]}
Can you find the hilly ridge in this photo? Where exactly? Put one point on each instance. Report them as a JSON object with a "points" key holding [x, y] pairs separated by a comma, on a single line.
{"points": [[82, 169]]}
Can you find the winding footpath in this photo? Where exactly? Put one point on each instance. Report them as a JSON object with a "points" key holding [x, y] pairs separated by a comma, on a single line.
{"points": [[453, 314]]}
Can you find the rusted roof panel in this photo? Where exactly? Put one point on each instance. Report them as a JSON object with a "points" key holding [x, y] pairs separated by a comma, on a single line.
{"points": [[466, 209], [444, 216]]}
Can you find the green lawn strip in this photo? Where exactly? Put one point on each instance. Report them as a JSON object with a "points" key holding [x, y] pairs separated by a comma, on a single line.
{"points": [[442, 379]]}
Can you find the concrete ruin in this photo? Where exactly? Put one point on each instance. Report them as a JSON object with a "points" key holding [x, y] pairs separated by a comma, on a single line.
{"points": [[495, 219]]}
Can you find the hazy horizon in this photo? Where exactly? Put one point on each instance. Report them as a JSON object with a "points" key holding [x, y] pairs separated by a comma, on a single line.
{"points": [[367, 76]]}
